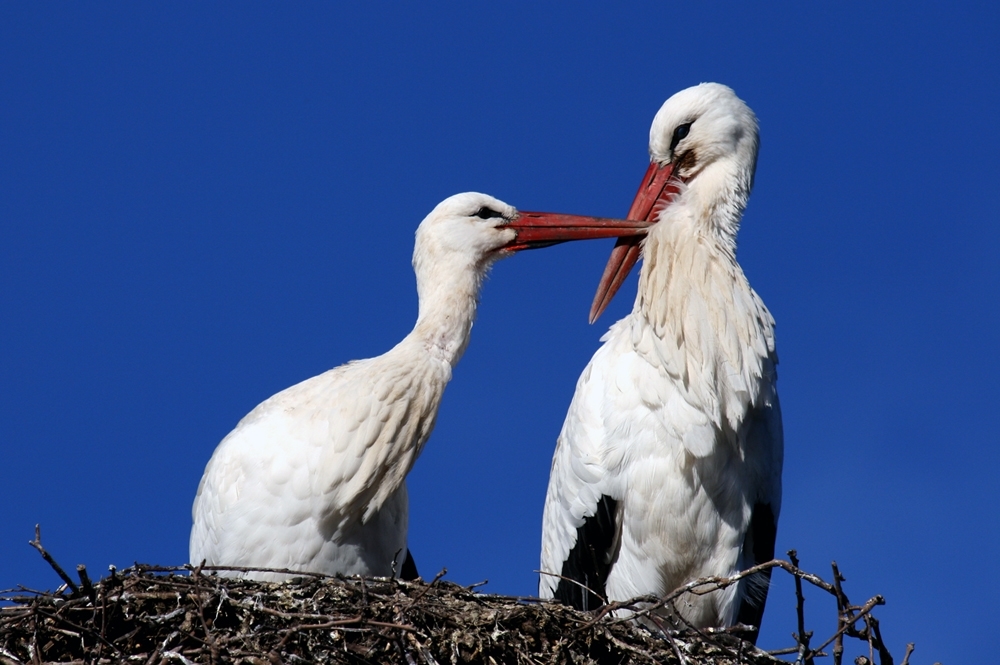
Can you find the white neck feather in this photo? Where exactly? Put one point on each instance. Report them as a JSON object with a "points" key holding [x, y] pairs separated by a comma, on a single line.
{"points": [[448, 302], [695, 314], [409, 382]]}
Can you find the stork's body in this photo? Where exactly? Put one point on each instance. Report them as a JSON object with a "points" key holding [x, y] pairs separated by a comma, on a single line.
{"points": [[668, 466], [313, 479]]}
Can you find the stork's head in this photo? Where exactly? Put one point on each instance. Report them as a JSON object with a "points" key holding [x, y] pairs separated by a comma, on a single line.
{"points": [[467, 228], [703, 126], [704, 138]]}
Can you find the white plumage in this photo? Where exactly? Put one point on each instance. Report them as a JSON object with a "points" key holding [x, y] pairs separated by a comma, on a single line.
{"points": [[668, 466], [313, 479]]}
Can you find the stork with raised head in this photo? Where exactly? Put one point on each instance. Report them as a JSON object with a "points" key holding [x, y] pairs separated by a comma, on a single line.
{"points": [[668, 466], [313, 479]]}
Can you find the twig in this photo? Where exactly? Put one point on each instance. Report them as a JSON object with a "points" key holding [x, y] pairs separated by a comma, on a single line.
{"points": [[177, 656], [12, 658], [383, 624], [783, 652], [863, 614], [802, 637], [234, 569], [71, 624], [37, 544], [424, 652], [694, 629], [670, 638], [88, 588], [423, 592], [209, 638], [884, 657], [572, 581], [844, 613], [154, 657]]}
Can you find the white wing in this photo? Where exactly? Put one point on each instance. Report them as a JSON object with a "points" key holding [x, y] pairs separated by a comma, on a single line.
{"points": [[578, 479]]}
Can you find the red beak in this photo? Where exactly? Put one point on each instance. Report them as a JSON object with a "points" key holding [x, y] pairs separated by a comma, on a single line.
{"points": [[656, 187], [541, 229]]}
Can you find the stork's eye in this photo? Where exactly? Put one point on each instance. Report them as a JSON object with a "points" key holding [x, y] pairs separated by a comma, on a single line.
{"points": [[679, 134], [488, 213]]}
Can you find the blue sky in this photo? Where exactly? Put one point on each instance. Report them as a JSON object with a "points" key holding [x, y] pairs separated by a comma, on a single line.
{"points": [[203, 204]]}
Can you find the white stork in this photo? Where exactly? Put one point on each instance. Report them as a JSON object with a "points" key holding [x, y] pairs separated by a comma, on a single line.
{"points": [[313, 479], [668, 466]]}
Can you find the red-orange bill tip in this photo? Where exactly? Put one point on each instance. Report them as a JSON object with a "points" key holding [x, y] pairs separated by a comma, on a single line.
{"points": [[656, 186], [623, 257]]}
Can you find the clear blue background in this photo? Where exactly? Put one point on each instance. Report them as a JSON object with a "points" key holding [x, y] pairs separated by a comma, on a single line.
{"points": [[201, 204]]}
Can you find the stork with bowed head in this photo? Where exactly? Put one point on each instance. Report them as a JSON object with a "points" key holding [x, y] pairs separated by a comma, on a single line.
{"points": [[313, 479], [668, 466]]}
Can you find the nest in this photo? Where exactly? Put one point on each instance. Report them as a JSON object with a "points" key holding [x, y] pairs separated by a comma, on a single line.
{"points": [[154, 615]]}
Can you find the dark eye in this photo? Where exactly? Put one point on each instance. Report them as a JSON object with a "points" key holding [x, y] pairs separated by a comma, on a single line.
{"points": [[488, 213], [679, 134]]}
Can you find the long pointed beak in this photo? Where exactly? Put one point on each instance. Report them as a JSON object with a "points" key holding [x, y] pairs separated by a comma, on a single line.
{"points": [[541, 229], [656, 186]]}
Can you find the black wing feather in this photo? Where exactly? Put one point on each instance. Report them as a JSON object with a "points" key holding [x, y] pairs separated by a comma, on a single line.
{"points": [[590, 560], [409, 570], [759, 540]]}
